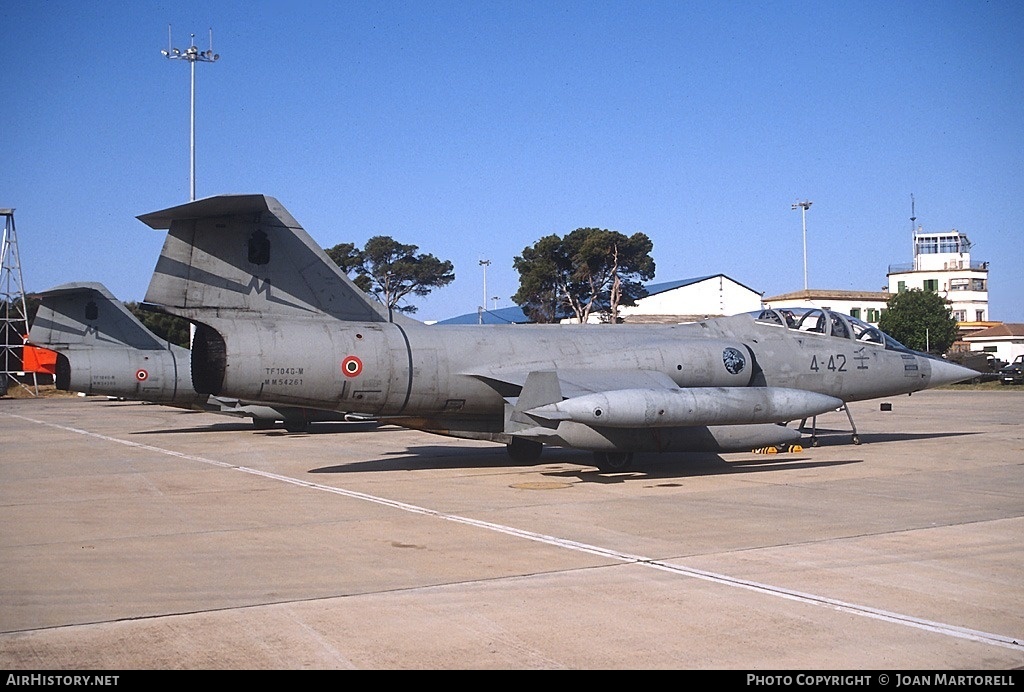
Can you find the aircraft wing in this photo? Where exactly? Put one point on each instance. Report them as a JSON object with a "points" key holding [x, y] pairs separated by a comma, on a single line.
{"points": [[644, 399], [573, 383]]}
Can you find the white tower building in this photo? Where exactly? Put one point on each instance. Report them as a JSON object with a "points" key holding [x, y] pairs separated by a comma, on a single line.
{"points": [[942, 263]]}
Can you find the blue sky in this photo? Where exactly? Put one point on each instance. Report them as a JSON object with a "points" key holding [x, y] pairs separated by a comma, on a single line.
{"points": [[472, 129]]}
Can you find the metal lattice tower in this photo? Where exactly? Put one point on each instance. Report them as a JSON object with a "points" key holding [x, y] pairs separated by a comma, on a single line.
{"points": [[14, 317]]}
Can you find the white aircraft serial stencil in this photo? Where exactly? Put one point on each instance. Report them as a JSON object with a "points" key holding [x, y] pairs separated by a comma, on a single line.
{"points": [[276, 320], [102, 348]]}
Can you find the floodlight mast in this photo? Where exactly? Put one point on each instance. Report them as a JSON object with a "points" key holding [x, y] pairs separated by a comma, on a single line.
{"points": [[483, 306], [192, 55], [804, 206]]}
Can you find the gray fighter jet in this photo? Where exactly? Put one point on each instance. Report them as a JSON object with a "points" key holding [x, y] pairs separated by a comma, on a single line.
{"points": [[276, 320], [102, 348]]}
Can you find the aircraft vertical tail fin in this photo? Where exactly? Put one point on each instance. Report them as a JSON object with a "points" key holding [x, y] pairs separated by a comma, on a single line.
{"points": [[246, 254], [87, 315], [102, 348]]}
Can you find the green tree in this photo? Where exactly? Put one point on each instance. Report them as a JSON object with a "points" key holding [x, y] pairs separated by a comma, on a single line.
{"points": [[166, 327], [590, 271], [391, 271], [542, 270], [350, 259], [920, 320]]}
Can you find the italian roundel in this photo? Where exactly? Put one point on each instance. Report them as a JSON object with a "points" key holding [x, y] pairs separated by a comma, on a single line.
{"points": [[141, 375], [351, 366]]}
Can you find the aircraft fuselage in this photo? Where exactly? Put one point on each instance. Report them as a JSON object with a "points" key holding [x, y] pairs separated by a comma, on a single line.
{"points": [[387, 369]]}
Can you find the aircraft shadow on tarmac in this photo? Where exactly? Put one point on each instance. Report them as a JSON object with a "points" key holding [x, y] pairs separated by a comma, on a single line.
{"points": [[668, 465], [242, 425], [826, 437], [646, 465], [831, 438]]}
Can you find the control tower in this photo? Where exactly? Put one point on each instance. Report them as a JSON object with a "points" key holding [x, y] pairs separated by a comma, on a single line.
{"points": [[942, 263]]}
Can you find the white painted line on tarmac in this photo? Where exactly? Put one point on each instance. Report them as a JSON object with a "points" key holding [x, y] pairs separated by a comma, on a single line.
{"points": [[725, 580]]}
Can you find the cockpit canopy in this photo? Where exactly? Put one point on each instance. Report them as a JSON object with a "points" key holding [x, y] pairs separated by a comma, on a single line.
{"points": [[821, 321]]}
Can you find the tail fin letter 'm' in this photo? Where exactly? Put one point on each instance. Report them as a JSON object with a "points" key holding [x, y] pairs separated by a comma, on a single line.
{"points": [[246, 253]]}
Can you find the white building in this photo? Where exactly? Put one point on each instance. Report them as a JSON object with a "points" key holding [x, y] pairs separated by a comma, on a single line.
{"points": [[942, 263], [864, 305], [1006, 341], [688, 300], [670, 302]]}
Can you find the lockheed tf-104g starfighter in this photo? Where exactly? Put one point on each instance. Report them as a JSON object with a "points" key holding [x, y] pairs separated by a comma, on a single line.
{"points": [[277, 321]]}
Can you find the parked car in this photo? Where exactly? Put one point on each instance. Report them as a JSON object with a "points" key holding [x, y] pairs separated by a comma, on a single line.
{"points": [[1014, 372]]}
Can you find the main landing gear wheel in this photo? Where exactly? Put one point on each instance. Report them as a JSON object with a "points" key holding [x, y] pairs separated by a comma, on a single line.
{"points": [[610, 462], [524, 451]]}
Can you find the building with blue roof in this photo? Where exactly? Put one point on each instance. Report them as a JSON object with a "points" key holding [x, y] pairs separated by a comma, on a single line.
{"points": [[668, 302]]}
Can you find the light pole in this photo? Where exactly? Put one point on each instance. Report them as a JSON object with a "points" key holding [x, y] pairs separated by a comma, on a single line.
{"points": [[804, 206], [193, 55], [483, 306]]}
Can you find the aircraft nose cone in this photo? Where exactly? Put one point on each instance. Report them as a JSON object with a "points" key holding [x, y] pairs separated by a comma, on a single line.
{"points": [[948, 373]]}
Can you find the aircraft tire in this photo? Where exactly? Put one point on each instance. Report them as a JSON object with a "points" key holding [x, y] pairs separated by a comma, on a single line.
{"points": [[296, 426], [524, 451], [611, 462], [263, 423]]}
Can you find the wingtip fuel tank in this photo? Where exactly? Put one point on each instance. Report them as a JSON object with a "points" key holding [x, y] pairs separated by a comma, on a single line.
{"points": [[665, 408]]}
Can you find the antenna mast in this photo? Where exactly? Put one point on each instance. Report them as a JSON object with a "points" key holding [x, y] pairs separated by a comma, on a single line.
{"points": [[483, 307], [804, 206], [913, 228]]}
